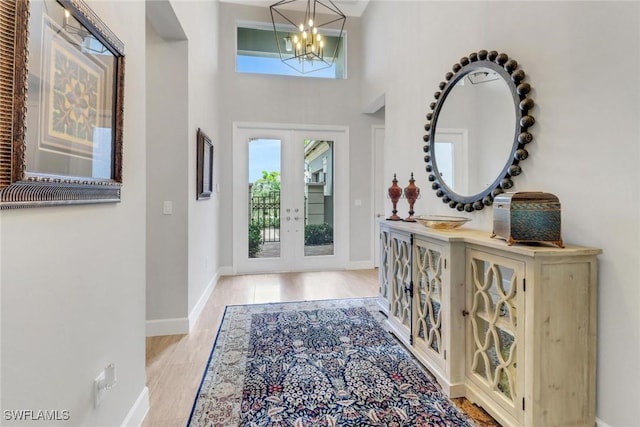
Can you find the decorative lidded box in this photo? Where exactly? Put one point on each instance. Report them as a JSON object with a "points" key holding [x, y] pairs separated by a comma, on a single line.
{"points": [[527, 217]]}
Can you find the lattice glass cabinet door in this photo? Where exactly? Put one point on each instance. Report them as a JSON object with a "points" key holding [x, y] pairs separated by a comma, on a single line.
{"points": [[428, 265], [495, 328], [384, 269], [400, 309]]}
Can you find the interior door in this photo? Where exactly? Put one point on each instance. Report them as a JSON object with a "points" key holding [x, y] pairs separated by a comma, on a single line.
{"points": [[379, 198], [291, 199]]}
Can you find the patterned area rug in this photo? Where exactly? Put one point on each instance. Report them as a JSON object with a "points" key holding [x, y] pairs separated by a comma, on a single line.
{"points": [[315, 363]]}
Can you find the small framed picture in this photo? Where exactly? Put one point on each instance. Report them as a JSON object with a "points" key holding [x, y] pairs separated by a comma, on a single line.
{"points": [[205, 166]]}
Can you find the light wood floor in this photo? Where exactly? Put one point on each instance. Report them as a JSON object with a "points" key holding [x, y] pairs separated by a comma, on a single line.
{"points": [[175, 363]]}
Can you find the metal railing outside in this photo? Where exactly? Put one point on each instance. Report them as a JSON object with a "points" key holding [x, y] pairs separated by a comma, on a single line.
{"points": [[264, 211]]}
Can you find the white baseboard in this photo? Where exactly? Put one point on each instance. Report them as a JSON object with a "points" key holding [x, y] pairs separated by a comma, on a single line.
{"points": [[138, 411], [197, 309], [360, 265], [600, 423], [176, 326], [182, 325], [225, 271]]}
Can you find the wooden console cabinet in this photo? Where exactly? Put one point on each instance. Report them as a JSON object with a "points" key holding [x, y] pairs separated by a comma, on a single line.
{"points": [[512, 328]]}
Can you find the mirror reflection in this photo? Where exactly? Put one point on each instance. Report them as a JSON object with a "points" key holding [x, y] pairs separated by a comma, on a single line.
{"points": [[475, 132]]}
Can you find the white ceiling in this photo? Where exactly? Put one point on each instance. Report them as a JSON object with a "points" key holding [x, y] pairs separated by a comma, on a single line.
{"points": [[348, 7]]}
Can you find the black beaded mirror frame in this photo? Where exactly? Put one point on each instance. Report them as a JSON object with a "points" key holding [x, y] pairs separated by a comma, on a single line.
{"points": [[514, 77]]}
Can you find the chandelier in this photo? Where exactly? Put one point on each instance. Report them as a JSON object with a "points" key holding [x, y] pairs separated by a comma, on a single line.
{"points": [[312, 42]]}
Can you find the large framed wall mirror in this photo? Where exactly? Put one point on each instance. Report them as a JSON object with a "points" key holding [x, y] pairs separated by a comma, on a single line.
{"points": [[61, 114], [478, 130]]}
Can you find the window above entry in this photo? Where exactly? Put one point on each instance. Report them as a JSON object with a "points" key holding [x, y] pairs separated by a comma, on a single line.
{"points": [[257, 52]]}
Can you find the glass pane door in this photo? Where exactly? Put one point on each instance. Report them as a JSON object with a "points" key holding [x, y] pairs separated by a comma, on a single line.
{"points": [[286, 198], [495, 330], [264, 198], [318, 197]]}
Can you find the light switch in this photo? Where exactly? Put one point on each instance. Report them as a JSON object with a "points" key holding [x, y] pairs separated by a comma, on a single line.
{"points": [[167, 207], [357, 202]]}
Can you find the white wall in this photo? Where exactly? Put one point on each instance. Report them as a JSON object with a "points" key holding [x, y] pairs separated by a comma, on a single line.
{"points": [[296, 100], [167, 174], [200, 22], [182, 248], [582, 59], [73, 278]]}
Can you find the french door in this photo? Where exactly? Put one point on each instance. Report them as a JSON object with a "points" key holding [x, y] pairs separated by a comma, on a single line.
{"points": [[290, 198]]}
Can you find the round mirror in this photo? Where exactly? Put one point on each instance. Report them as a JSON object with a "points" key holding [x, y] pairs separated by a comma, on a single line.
{"points": [[478, 129]]}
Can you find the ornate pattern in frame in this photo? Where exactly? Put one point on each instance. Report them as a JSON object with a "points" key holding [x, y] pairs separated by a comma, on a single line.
{"points": [[61, 105]]}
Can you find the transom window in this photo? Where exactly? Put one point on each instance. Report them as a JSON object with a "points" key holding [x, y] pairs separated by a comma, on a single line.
{"points": [[257, 52]]}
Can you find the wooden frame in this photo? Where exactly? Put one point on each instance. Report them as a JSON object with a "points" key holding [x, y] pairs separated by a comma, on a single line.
{"points": [[205, 166], [61, 105]]}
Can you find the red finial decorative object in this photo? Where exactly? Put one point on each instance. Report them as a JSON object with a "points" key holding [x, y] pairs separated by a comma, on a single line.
{"points": [[395, 192], [411, 193]]}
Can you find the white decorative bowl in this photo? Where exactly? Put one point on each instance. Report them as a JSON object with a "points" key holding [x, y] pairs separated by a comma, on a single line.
{"points": [[442, 222]]}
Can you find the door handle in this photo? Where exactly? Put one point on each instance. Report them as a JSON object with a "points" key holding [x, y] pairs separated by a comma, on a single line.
{"points": [[297, 218], [288, 218], [408, 289]]}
